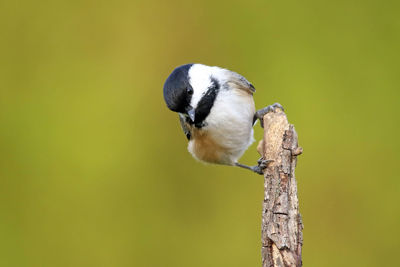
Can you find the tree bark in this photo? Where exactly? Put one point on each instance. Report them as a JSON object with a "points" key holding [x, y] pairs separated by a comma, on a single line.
{"points": [[282, 237]]}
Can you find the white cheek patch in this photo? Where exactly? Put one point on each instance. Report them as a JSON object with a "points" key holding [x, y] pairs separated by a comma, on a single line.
{"points": [[199, 79]]}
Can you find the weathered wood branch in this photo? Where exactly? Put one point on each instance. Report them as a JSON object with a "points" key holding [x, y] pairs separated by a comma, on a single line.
{"points": [[282, 226]]}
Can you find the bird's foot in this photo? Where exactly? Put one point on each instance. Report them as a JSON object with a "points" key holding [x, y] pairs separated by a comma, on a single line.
{"points": [[262, 164], [271, 108]]}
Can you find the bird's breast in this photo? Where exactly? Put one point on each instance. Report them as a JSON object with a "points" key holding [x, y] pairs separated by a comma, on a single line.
{"points": [[228, 129]]}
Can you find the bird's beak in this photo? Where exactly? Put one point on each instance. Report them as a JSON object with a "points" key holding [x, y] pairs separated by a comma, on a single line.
{"points": [[191, 113]]}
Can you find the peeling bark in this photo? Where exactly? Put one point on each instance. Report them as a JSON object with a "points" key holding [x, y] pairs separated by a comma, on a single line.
{"points": [[282, 226]]}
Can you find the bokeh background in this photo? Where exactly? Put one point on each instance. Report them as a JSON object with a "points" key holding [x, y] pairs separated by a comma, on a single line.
{"points": [[94, 169]]}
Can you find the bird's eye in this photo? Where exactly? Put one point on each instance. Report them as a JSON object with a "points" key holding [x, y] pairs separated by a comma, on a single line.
{"points": [[189, 91]]}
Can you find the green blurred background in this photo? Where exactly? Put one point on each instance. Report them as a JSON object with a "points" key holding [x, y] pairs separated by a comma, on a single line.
{"points": [[94, 169]]}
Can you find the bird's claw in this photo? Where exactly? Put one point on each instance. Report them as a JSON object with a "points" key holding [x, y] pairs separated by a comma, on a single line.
{"points": [[271, 108], [262, 164], [257, 169]]}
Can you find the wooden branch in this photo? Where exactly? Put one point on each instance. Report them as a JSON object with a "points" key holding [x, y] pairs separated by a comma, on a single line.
{"points": [[282, 226]]}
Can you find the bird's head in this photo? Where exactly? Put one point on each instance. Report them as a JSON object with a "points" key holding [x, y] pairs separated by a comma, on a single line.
{"points": [[191, 89]]}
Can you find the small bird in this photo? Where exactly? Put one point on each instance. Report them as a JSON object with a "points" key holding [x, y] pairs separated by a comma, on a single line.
{"points": [[216, 111]]}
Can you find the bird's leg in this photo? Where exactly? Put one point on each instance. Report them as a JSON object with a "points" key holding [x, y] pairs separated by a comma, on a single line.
{"points": [[262, 164], [260, 113]]}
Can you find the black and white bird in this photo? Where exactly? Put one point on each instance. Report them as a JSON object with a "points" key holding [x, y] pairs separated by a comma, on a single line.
{"points": [[216, 111]]}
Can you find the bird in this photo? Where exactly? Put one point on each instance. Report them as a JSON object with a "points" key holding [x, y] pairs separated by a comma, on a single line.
{"points": [[216, 112]]}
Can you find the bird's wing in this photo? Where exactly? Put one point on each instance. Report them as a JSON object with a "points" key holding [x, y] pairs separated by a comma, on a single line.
{"points": [[184, 126], [240, 82]]}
